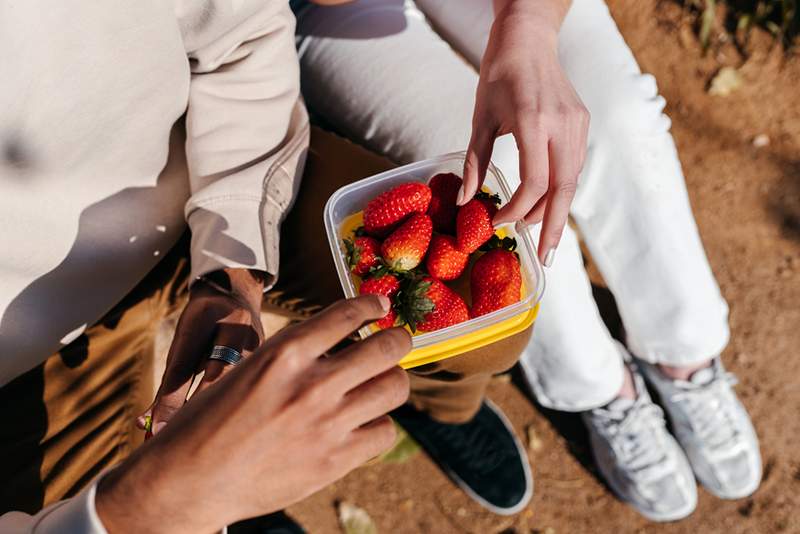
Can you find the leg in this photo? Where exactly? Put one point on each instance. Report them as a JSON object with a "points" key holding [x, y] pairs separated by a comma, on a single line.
{"points": [[682, 319], [74, 414]]}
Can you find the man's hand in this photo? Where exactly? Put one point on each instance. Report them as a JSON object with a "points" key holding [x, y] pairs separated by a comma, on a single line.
{"points": [[283, 424], [224, 309], [524, 91]]}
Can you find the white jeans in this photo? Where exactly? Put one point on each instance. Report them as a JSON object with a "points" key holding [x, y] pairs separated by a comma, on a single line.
{"points": [[377, 71]]}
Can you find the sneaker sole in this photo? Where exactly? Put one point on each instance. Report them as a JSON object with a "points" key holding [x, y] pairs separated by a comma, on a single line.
{"points": [[526, 498]]}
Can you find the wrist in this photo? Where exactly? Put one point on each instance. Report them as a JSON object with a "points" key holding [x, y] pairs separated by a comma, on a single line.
{"points": [[540, 19], [128, 500], [245, 283]]}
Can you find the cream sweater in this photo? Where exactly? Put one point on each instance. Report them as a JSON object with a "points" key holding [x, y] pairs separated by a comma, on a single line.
{"points": [[99, 173]]}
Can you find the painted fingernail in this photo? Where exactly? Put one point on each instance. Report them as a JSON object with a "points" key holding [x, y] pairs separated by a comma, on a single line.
{"points": [[148, 423], [460, 197], [386, 304], [548, 258]]}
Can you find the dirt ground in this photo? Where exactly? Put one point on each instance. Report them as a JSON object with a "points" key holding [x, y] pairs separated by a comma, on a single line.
{"points": [[747, 202]]}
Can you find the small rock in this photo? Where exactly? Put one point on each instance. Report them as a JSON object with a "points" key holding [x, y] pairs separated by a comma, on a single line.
{"points": [[727, 80], [761, 140], [355, 520], [534, 442]]}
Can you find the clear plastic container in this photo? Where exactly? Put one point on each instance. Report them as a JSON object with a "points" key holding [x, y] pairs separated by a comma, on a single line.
{"points": [[457, 339]]}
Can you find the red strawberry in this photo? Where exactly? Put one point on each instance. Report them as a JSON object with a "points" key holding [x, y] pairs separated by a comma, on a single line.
{"points": [[405, 247], [474, 222], [495, 281], [443, 208], [445, 261], [387, 285], [363, 254], [430, 305], [387, 210]]}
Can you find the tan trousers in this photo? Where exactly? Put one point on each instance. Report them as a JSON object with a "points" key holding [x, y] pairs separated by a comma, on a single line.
{"points": [[73, 416]]}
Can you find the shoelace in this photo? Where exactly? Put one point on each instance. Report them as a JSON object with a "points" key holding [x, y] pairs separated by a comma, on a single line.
{"points": [[637, 435], [473, 445], [709, 414]]}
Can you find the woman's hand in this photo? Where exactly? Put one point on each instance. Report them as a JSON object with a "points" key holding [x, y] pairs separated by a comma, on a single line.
{"points": [[523, 91], [283, 424], [224, 309]]}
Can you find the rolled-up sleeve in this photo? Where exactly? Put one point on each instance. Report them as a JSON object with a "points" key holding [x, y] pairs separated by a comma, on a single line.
{"points": [[247, 130]]}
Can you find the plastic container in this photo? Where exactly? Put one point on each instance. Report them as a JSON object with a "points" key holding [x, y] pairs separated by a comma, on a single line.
{"points": [[342, 215]]}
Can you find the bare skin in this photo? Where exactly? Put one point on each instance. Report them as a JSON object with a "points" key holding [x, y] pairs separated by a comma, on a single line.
{"points": [[285, 423], [628, 391], [524, 91]]}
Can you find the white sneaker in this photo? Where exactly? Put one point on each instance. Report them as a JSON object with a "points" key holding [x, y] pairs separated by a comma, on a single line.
{"points": [[639, 459], [713, 428]]}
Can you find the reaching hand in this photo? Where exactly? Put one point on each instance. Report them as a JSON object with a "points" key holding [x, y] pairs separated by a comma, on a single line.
{"points": [[523, 91], [224, 309], [285, 423]]}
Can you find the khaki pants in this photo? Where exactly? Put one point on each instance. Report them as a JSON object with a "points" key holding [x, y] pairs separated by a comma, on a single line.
{"points": [[73, 416]]}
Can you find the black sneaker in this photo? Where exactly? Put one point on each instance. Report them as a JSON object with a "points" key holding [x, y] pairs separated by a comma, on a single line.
{"points": [[483, 457], [277, 523]]}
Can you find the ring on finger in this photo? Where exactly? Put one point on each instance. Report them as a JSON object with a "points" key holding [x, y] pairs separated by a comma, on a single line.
{"points": [[225, 355]]}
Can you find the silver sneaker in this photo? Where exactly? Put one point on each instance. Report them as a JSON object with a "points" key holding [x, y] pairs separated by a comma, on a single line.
{"points": [[639, 459], [713, 428]]}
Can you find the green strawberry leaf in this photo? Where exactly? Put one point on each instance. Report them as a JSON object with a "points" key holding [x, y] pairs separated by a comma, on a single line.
{"points": [[506, 243], [494, 198]]}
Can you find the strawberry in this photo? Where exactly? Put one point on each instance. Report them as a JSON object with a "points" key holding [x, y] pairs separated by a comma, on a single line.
{"points": [[445, 261], [443, 208], [405, 247], [387, 285], [428, 305], [363, 254], [474, 222], [387, 210], [496, 280]]}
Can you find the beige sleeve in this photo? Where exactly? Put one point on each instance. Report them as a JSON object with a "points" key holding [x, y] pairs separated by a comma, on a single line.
{"points": [[77, 514], [247, 130]]}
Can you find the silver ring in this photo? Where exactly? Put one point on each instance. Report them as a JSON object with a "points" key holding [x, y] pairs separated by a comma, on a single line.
{"points": [[225, 354]]}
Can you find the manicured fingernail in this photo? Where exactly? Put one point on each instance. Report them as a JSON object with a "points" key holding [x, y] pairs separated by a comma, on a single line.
{"points": [[460, 197], [148, 423], [386, 304], [548, 258]]}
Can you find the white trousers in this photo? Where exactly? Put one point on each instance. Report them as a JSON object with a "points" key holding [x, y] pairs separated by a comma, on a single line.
{"points": [[400, 77]]}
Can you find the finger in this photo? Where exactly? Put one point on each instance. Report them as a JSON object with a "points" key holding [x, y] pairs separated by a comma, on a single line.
{"points": [[362, 361], [562, 191], [190, 341], [243, 338], [315, 336], [534, 174], [374, 398], [479, 154], [365, 443], [536, 215]]}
